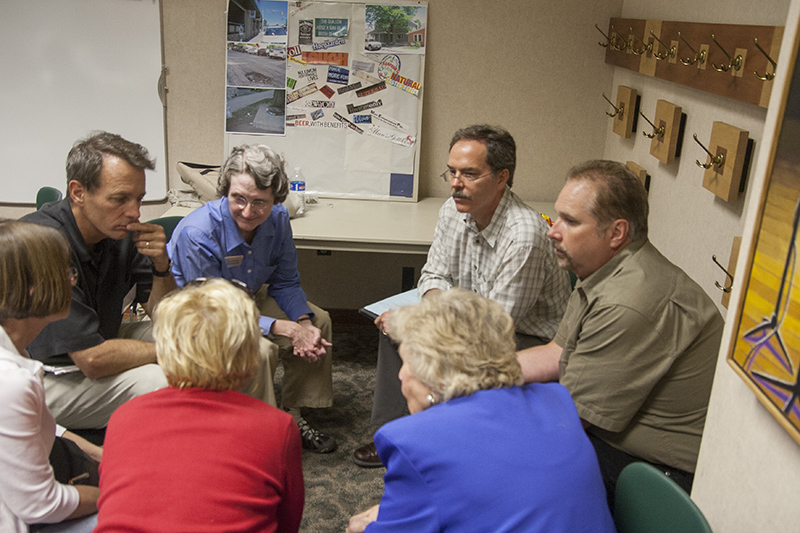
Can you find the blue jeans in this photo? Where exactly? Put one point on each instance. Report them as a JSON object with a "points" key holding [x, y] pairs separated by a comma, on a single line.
{"points": [[79, 525]]}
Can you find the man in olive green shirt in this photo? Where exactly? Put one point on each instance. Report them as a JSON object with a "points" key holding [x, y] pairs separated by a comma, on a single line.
{"points": [[638, 344]]}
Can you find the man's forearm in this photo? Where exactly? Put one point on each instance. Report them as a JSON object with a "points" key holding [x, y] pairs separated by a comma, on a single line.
{"points": [[161, 287], [114, 356], [540, 363]]}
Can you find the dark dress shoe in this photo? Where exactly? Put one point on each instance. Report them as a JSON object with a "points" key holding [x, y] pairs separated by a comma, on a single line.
{"points": [[367, 456]]}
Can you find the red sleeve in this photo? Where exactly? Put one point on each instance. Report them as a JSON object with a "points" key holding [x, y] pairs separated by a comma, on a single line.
{"points": [[290, 510]]}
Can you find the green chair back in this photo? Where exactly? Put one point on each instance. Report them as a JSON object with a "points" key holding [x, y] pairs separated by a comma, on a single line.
{"points": [[168, 223], [47, 194], [647, 501]]}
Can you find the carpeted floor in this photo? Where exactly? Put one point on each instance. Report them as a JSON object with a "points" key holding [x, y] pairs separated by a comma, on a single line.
{"points": [[335, 487]]}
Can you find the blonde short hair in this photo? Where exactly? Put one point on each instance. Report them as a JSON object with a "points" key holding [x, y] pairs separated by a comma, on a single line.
{"points": [[207, 336], [457, 343], [34, 271]]}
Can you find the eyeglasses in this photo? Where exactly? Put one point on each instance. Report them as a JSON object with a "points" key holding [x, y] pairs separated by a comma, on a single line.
{"points": [[259, 206], [241, 285], [72, 273], [451, 174]]}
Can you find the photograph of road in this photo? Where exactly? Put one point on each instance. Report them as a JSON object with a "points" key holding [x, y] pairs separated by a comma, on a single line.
{"points": [[256, 66], [255, 110], [253, 66]]}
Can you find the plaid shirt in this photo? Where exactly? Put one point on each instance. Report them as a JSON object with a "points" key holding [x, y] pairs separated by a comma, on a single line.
{"points": [[511, 262]]}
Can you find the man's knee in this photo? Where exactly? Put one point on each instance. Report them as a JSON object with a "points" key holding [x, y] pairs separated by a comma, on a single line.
{"points": [[142, 379]]}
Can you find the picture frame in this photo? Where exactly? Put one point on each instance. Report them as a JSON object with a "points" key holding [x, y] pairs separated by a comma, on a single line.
{"points": [[765, 351]]}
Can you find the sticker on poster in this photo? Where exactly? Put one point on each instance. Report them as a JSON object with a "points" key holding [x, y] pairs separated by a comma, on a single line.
{"points": [[318, 114], [389, 64], [329, 27], [321, 103], [348, 88], [321, 124], [290, 82], [328, 44], [366, 77], [326, 58], [327, 91], [351, 109], [397, 138], [294, 51], [362, 119], [300, 93], [350, 125], [310, 73], [386, 120], [295, 116], [298, 61], [401, 82], [338, 75], [366, 66], [305, 32], [372, 89]]}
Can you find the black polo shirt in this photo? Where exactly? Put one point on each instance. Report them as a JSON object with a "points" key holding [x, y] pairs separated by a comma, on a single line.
{"points": [[105, 277]]}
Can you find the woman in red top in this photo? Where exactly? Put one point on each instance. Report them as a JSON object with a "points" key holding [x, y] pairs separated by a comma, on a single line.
{"points": [[199, 455]]}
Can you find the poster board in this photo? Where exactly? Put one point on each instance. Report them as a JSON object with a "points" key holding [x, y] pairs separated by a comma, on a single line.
{"points": [[69, 68], [349, 110]]}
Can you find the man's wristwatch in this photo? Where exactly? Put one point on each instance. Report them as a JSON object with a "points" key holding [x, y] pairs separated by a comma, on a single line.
{"points": [[304, 318], [165, 274]]}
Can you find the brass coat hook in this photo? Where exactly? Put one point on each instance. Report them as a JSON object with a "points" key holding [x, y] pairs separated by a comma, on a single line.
{"points": [[736, 62], [769, 75], [728, 287], [658, 131], [671, 50], [701, 57], [615, 40], [608, 39], [617, 110], [716, 160], [645, 47]]}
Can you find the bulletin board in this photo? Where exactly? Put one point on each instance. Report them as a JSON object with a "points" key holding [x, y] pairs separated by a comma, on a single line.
{"points": [[348, 108]]}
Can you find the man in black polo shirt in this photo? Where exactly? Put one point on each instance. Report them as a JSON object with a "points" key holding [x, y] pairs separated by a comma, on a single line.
{"points": [[113, 252]]}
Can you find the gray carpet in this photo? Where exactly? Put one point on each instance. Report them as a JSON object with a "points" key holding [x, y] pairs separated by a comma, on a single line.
{"points": [[335, 487]]}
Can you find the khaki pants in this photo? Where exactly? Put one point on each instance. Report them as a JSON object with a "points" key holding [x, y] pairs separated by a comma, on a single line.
{"points": [[304, 384], [78, 402]]}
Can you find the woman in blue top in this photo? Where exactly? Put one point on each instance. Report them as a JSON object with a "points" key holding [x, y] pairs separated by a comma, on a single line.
{"points": [[481, 452]]}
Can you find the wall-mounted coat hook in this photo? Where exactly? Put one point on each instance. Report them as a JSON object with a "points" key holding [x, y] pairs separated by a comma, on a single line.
{"points": [[735, 62], [728, 287], [617, 37], [695, 57], [608, 39], [769, 75], [657, 130], [617, 110], [670, 50], [716, 160], [645, 47]]}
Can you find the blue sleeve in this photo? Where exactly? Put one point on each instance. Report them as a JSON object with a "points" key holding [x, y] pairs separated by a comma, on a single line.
{"points": [[194, 255], [407, 503], [284, 283]]}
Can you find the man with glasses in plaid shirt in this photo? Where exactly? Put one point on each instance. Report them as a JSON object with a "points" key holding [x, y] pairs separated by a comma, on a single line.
{"points": [[489, 241]]}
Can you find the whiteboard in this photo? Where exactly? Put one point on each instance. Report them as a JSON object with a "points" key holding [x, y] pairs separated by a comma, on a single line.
{"points": [[70, 67]]}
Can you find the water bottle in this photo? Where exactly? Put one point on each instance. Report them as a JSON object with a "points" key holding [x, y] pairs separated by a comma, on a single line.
{"points": [[298, 185]]}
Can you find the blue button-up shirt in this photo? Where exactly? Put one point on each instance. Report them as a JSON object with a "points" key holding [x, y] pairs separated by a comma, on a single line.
{"points": [[207, 243]]}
